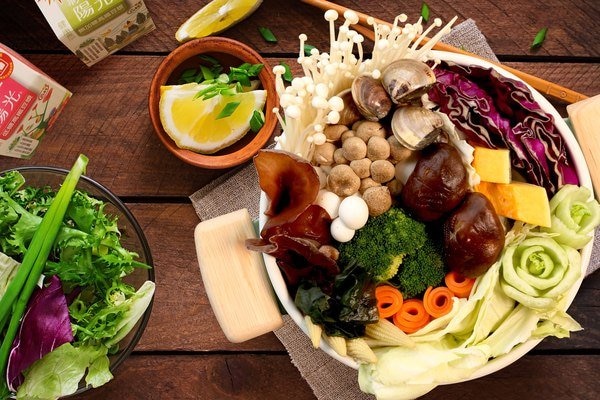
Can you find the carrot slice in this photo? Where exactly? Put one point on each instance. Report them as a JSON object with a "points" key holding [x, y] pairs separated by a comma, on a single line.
{"points": [[412, 316], [438, 301], [389, 300], [459, 285]]}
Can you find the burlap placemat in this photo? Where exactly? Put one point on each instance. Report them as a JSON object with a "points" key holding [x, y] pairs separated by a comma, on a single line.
{"points": [[328, 378]]}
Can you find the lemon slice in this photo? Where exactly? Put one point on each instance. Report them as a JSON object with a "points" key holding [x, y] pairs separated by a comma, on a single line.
{"points": [[193, 124], [215, 17]]}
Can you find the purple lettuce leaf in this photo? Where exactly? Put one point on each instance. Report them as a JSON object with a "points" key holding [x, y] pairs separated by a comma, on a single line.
{"points": [[44, 327], [498, 112]]}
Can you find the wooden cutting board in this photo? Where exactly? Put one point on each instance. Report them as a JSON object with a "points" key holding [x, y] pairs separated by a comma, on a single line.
{"points": [[585, 118], [235, 278]]}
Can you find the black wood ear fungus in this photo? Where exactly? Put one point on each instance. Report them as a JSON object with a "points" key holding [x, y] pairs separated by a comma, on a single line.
{"points": [[437, 185], [473, 236]]}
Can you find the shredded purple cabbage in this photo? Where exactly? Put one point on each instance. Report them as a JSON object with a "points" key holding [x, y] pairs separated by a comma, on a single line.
{"points": [[497, 112], [45, 326]]}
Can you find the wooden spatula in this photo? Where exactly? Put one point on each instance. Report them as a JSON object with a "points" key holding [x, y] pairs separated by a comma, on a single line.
{"points": [[235, 278], [585, 118]]}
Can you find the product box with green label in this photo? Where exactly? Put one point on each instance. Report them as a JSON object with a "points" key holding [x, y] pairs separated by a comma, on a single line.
{"points": [[93, 29]]}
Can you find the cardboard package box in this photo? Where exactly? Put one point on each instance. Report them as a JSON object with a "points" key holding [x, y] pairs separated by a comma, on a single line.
{"points": [[94, 29], [30, 102]]}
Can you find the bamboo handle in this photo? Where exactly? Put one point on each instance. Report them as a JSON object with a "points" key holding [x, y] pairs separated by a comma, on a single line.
{"points": [[548, 88]]}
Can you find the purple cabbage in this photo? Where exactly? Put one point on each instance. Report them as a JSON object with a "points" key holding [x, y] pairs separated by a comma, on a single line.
{"points": [[498, 112], [44, 327]]}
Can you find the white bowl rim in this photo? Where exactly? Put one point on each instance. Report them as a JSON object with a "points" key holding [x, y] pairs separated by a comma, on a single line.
{"points": [[518, 351]]}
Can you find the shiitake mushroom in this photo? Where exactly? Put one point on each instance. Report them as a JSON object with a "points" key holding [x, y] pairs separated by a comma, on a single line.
{"points": [[437, 184], [473, 236]]}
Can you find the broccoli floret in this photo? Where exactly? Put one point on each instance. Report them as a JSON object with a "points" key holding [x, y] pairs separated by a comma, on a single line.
{"points": [[420, 270], [382, 244]]}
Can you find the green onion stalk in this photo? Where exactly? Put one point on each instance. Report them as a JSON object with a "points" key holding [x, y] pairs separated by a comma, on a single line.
{"points": [[14, 302]]}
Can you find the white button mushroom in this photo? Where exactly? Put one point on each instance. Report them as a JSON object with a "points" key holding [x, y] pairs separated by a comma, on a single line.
{"points": [[329, 201], [341, 232], [354, 212]]}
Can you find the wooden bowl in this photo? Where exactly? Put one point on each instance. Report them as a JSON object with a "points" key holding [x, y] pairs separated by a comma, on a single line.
{"points": [[229, 53]]}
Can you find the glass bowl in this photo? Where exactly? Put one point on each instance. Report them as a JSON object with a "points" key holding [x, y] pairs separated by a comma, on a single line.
{"points": [[132, 239]]}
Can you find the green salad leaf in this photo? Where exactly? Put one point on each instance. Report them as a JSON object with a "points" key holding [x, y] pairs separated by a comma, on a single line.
{"points": [[59, 372], [86, 253], [8, 268]]}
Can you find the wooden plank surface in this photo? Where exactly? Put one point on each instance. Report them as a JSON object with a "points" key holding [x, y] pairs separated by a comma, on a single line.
{"points": [[509, 26], [107, 119], [272, 377], [183, 354]]}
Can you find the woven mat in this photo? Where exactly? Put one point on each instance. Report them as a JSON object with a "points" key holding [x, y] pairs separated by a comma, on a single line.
{"points": [[328, 378]]}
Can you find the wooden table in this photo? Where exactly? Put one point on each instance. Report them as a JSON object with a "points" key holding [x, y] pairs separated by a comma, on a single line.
{"points": [[183, 353]]}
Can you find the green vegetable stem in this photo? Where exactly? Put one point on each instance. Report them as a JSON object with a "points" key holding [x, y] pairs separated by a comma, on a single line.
{"points": [[20, 289], [575, 214], [538, 271]]}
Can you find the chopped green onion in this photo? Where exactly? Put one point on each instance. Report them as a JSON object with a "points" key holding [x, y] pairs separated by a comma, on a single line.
{"points": [[239, 75], [188, 76], [228, 109], [308, 48], [257, 121], [238, 87], [267, 35], [287, 75], [255, 69], [539, 39], [211, 60], [425, 12], [220, 83], [207, 73], [207, 90], [229, 91], [189, 73]]}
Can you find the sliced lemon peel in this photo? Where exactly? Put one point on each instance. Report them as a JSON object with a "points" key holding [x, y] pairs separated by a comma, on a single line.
{"points": [[215, 17]]}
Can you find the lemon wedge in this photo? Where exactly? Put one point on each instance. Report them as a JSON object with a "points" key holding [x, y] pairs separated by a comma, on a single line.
{"points": [[215, 17], [198, 125]]}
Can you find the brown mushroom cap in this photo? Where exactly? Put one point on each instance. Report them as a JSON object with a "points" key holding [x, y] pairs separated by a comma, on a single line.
{"points": [[378, 148], [382, 171], [367, 183], [378, 199], [368, 129], [338, 157], [343, 181], [395, 187], [323, 154], [362, 167], [397, 151], [346, 135], [354, 148], [333, 133]]}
